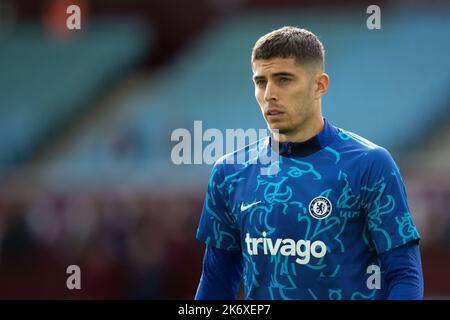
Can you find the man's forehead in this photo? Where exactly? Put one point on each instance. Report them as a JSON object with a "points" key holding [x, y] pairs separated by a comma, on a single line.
{"points": [[263, 66]]}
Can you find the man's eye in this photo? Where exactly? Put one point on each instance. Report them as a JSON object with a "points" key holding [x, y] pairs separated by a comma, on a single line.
{"points": [[260, 83], [284, 80]]}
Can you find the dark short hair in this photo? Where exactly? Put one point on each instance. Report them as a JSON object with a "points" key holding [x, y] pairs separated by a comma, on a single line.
{"points": [[287, 42]]}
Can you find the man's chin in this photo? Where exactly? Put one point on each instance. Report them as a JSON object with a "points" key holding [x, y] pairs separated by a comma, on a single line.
{"points": [[280, 129]]}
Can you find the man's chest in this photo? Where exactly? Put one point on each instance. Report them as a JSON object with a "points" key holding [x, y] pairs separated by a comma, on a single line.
{"points": [[302, 200]]}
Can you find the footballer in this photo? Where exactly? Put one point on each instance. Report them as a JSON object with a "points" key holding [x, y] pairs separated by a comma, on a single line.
{"points": [[333, 212]]}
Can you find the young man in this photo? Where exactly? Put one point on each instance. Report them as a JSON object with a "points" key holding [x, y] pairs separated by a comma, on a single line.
{"points": [[332, 222]]}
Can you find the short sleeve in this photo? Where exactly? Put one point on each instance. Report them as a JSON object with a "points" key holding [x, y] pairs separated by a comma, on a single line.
{"points": [[217, 226], [385, 203]]}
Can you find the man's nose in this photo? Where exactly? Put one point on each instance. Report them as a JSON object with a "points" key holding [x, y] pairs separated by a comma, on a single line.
{"points": [[270, 93]]}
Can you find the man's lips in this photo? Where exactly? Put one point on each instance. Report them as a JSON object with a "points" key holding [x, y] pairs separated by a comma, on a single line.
{"points": [[273, 113]]}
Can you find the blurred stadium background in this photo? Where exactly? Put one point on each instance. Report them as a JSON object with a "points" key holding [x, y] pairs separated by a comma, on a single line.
{"points": [[86, 118]]}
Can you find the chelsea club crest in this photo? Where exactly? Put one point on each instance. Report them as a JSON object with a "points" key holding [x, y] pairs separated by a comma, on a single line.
{"points": [[320, 207]]}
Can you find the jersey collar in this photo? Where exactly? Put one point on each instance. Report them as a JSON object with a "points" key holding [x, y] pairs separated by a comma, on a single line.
{"points": [[310, 146]]}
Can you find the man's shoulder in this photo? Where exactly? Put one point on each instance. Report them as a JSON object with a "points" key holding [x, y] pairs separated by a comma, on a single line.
{"points": [[233, 165], [370, 152], [241, 156], [351, 140]]}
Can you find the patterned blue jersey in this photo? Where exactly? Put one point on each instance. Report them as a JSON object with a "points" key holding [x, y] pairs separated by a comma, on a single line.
{"points": [[315, 226]]}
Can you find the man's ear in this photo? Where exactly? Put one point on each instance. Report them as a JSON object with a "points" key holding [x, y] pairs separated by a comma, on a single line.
{"points": [[322, 81]]}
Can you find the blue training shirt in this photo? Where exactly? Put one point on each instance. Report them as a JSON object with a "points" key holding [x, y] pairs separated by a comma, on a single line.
{"points": [[315, 226]]}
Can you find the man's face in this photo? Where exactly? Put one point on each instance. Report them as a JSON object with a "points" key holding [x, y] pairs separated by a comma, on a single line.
{"points": [[286, 93]]}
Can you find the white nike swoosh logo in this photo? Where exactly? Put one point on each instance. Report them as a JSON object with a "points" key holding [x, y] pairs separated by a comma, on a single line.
{"points": [[243, 208]]}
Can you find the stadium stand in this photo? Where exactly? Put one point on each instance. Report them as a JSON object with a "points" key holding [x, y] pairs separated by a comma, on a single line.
{"points": [[211, 81], [45, 83]]}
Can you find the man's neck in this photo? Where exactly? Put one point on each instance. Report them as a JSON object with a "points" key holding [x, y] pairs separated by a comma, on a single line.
{"points": [[306, 132]]}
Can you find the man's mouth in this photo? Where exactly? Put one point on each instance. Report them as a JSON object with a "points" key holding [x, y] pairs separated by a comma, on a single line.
{"points": [[273, 113]]}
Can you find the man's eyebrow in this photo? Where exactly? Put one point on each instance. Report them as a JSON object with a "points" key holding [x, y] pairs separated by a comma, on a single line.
{"points": [[283, 74], [276, 74]]}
